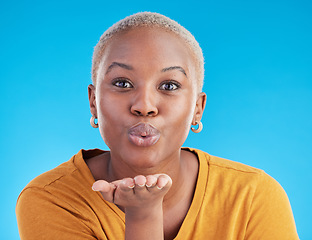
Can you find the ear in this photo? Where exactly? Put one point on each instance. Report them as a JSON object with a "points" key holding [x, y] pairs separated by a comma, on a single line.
{"points": [[199, 108], [92, 100]]}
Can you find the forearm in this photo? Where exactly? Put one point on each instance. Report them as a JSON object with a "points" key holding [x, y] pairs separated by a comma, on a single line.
{"points": [[144, 223]]}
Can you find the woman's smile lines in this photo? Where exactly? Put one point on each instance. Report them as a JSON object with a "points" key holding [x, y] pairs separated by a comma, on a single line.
{"points": [[143, 134]]}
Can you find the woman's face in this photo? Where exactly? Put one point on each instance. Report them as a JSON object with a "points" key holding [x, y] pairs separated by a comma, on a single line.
{"points": [[145, 96]]}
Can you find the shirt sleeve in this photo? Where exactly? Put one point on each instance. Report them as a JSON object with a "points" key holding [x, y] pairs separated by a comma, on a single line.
{"points": [[40, 215], [271, 216]]}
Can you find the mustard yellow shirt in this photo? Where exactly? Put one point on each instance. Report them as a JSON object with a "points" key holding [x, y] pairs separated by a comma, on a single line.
{"points": [[231, 201]]}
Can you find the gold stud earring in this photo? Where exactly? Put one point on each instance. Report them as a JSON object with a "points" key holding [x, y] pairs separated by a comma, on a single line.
{"points": [[199, 128], [92, 122]]}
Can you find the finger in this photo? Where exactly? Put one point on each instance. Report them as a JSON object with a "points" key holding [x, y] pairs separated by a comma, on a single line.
{"points": [[102, 186], [151, 181], [140, 181], [126, 184], [163, 181], [106, 189]]}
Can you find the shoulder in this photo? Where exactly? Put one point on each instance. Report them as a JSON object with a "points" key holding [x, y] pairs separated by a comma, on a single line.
{"points": [[53, 176], [62, 195], [262, 202], [62, 171], [67, 182], [237, 175], [75, 167], [225, 165]]}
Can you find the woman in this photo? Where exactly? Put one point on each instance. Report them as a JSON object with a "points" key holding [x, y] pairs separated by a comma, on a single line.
{"points": [[147, 92]]}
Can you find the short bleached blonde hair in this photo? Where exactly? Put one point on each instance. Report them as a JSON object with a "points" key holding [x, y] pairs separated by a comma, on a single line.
{"points": [[149, 19]]}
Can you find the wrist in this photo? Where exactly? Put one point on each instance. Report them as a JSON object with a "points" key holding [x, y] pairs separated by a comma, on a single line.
{"points": [[144, 223], [142, 213]]}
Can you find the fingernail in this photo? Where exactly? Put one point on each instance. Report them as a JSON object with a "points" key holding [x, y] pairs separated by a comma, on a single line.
{"points": [[125, 183], [148, 185], [159, 187], [141, 185], [94, 188]]}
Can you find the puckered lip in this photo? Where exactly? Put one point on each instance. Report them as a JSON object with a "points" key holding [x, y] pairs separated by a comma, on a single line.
{"points": [[143, 134]]}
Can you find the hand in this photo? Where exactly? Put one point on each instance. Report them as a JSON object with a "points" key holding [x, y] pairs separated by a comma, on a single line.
{"points": [[142, 199], [135, 192]]}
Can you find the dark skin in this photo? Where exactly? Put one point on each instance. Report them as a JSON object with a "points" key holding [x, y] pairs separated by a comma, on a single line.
{"points": [[148, 78]]}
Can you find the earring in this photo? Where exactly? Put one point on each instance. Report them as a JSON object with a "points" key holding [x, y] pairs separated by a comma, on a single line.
{"points": [[92, 122], [200, 127]]}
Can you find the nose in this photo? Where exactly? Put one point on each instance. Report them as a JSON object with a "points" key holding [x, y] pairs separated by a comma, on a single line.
{"points": [[144, 104]]}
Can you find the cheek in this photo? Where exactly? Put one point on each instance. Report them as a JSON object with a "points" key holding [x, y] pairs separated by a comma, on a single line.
{"points": [[181, 117], [110, 113], [185, 109], [110, 107]]}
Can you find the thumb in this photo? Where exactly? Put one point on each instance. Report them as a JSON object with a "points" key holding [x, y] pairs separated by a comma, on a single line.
{"points": [[107, 189]]}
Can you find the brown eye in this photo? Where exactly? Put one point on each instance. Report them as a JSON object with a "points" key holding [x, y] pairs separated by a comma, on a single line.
{"points": [[169, 86], [122, 83]]}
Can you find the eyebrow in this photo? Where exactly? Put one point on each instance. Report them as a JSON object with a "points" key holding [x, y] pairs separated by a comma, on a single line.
{"points": [[174, 68], [128, 67], [122, 65]]}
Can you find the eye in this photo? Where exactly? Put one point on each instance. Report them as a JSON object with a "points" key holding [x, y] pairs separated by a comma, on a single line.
{"points": [[170, 86], [122, 83]]}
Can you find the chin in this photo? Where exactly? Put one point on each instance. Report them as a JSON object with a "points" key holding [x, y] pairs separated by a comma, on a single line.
{"points": [[143, 158]]}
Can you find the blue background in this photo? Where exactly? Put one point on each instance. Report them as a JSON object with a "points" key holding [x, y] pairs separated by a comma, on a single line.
{"points": [[258, 81]]}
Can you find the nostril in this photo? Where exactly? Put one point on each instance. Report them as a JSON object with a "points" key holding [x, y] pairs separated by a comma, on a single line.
{"points": [[143, 113], [150, 113], [138, 113]]}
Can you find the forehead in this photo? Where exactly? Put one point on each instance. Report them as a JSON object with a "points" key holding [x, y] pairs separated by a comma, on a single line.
{"points": [[152, 46]]}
